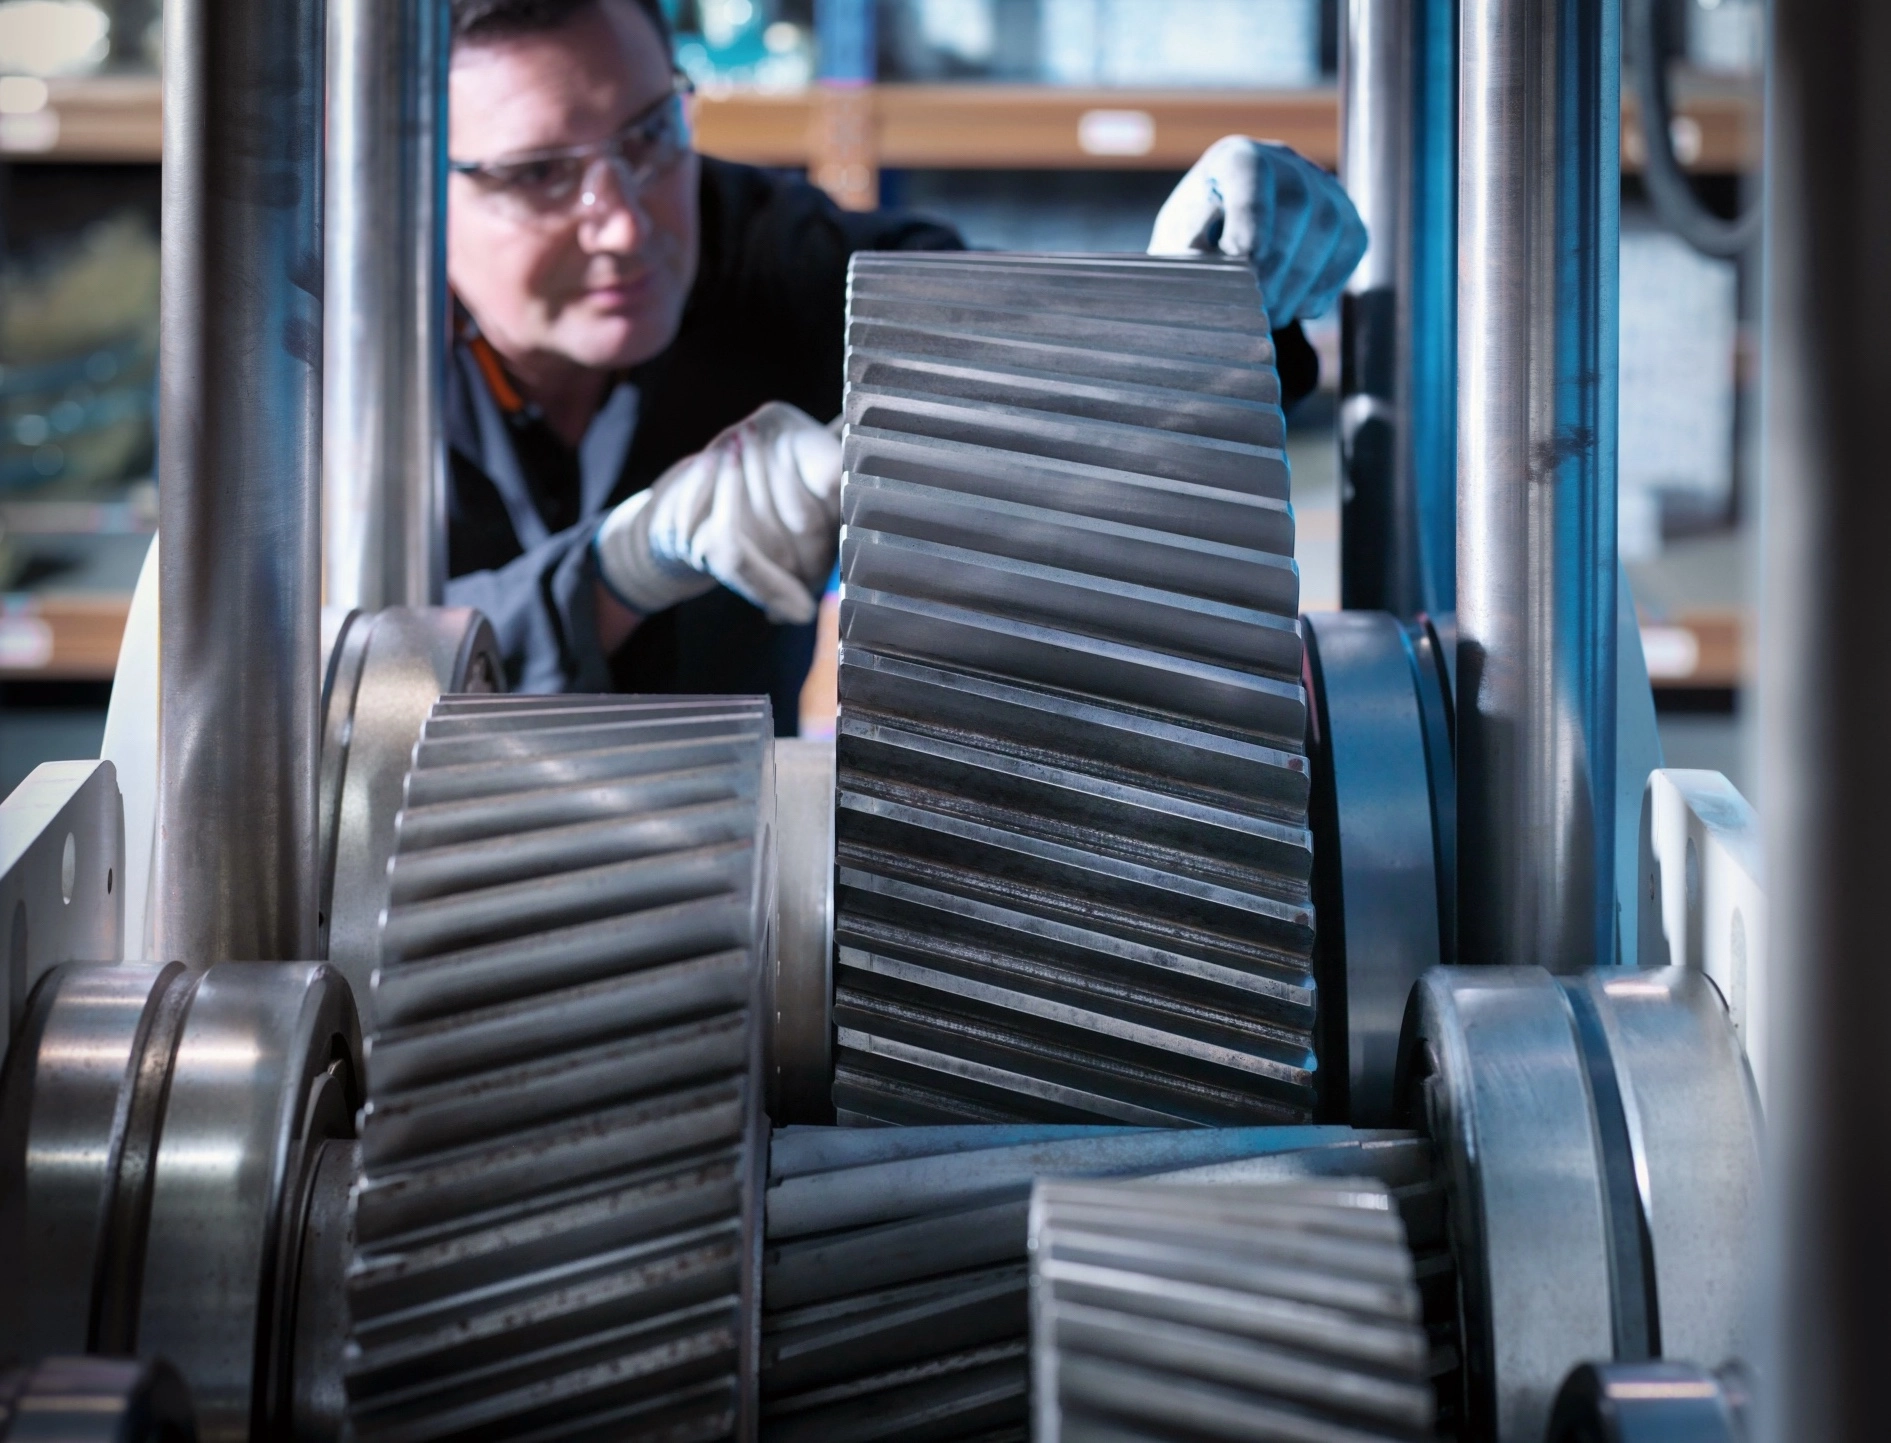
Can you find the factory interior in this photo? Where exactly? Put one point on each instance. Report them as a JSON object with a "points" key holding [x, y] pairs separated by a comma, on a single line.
{"points": [[944, 720]]}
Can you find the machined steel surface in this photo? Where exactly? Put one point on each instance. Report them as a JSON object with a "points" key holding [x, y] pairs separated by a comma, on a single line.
{"points": [[1598, 1142], [1383, 854], [801, 978], [1703, 904], [1538, 200], [1656, 1402], [385, 671], [1072, 856], [62, 878], [562, 1139], [1166, 1311], [1694, 1138], [385, 300], [1398, 159], [894, 1286], [156, 1130], [95, 1400], [240, 352]]}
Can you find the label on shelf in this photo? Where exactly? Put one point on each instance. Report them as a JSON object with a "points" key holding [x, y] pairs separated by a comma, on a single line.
{"points": [[26, 641], [1116, 132]]}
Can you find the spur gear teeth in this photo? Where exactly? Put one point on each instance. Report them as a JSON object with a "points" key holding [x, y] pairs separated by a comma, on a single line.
{"points": [[1072, 852], [560, 1142], [894, 1292], [1166, 1312]]}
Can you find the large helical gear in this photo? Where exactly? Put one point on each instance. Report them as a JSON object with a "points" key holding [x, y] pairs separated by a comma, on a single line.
{"points": [[563, 1130], [1072, 849], [1165, 1312]]}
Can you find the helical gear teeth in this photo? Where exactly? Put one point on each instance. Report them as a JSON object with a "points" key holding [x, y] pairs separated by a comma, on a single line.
{"points": [[1164, 1312], [894, 1280], [561, 1144], [1073, 861]]}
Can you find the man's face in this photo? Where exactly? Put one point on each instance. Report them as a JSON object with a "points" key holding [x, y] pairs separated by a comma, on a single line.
{"points": [[600, 282]]}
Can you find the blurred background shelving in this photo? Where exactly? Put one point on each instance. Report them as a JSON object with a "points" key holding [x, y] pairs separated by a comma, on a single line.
{"points": [[1041, 124], [910, 125]]}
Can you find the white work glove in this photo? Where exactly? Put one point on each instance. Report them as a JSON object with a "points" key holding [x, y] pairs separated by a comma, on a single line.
{"points": [[758, 510], [1261, 201]]}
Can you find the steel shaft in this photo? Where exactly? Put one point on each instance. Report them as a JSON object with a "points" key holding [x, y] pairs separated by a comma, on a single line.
{"points": [[383, 446], [239, 423], [1826, 773], [1398, 158], [1538, 230]]}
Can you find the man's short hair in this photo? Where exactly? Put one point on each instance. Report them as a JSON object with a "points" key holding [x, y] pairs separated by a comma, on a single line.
{"points": [[501, 19]]}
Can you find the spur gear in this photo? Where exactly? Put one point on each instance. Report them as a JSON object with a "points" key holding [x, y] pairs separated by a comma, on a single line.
{"points": [[563, 1130], [894, 1287], [1168, 1312], [1072, 852]]}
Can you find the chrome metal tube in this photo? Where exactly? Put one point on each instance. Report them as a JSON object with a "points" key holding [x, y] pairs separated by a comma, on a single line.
{"points": [[239, 421], [1398, 158], [1538, 233], [1826, 772], [383, 442]]}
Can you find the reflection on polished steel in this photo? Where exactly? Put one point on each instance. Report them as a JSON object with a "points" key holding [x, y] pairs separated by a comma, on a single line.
{"points": [[1539, 192], [383, 446], [1398, 448], [800, 1024], [240, 350], [1825, 790], [95, 1400]]}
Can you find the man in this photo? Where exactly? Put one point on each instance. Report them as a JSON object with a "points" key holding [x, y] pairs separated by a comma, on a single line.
{"points": [[643, 495]]}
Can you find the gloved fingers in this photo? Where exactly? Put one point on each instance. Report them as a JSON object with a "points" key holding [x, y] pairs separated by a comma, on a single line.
{"points": [[1308, 269], [1244, 180], [1189, 222], [817, 464], [1277, 245], [1342, 256], [644, 577], [747, 569]]}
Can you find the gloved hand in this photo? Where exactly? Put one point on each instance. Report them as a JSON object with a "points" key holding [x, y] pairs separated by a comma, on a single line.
{"points": [[1260, 200], [758, 510]]}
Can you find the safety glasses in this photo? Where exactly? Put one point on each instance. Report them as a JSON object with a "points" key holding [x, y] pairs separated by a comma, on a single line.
{"points": [[545, 186]]}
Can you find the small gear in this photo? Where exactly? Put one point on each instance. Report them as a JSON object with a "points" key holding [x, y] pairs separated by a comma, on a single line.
{"points": [[563, 1125], [895, 1302], [1167, 1312]]}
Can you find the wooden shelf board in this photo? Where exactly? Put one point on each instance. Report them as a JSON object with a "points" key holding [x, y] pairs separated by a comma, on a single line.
{"points": [[56, 637], [972, 127]]}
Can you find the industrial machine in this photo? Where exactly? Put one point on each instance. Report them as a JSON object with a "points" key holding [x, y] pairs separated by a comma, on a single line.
{"points": [[1158, 1015]]}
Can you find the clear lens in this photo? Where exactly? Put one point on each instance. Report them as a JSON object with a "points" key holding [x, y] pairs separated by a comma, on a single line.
{"points": [[546, 188]]}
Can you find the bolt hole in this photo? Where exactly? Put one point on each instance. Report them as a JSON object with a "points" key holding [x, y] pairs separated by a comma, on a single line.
{"points": [[108, 881]]}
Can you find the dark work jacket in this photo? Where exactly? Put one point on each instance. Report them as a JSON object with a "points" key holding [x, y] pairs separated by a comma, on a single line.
{"points": [[764, 322]]}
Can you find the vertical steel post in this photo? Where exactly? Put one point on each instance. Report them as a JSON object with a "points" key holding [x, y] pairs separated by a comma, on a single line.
{"points": [[1538, 231], [1397, 419], [239, 425], [383, 439], [1826, 771]]}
